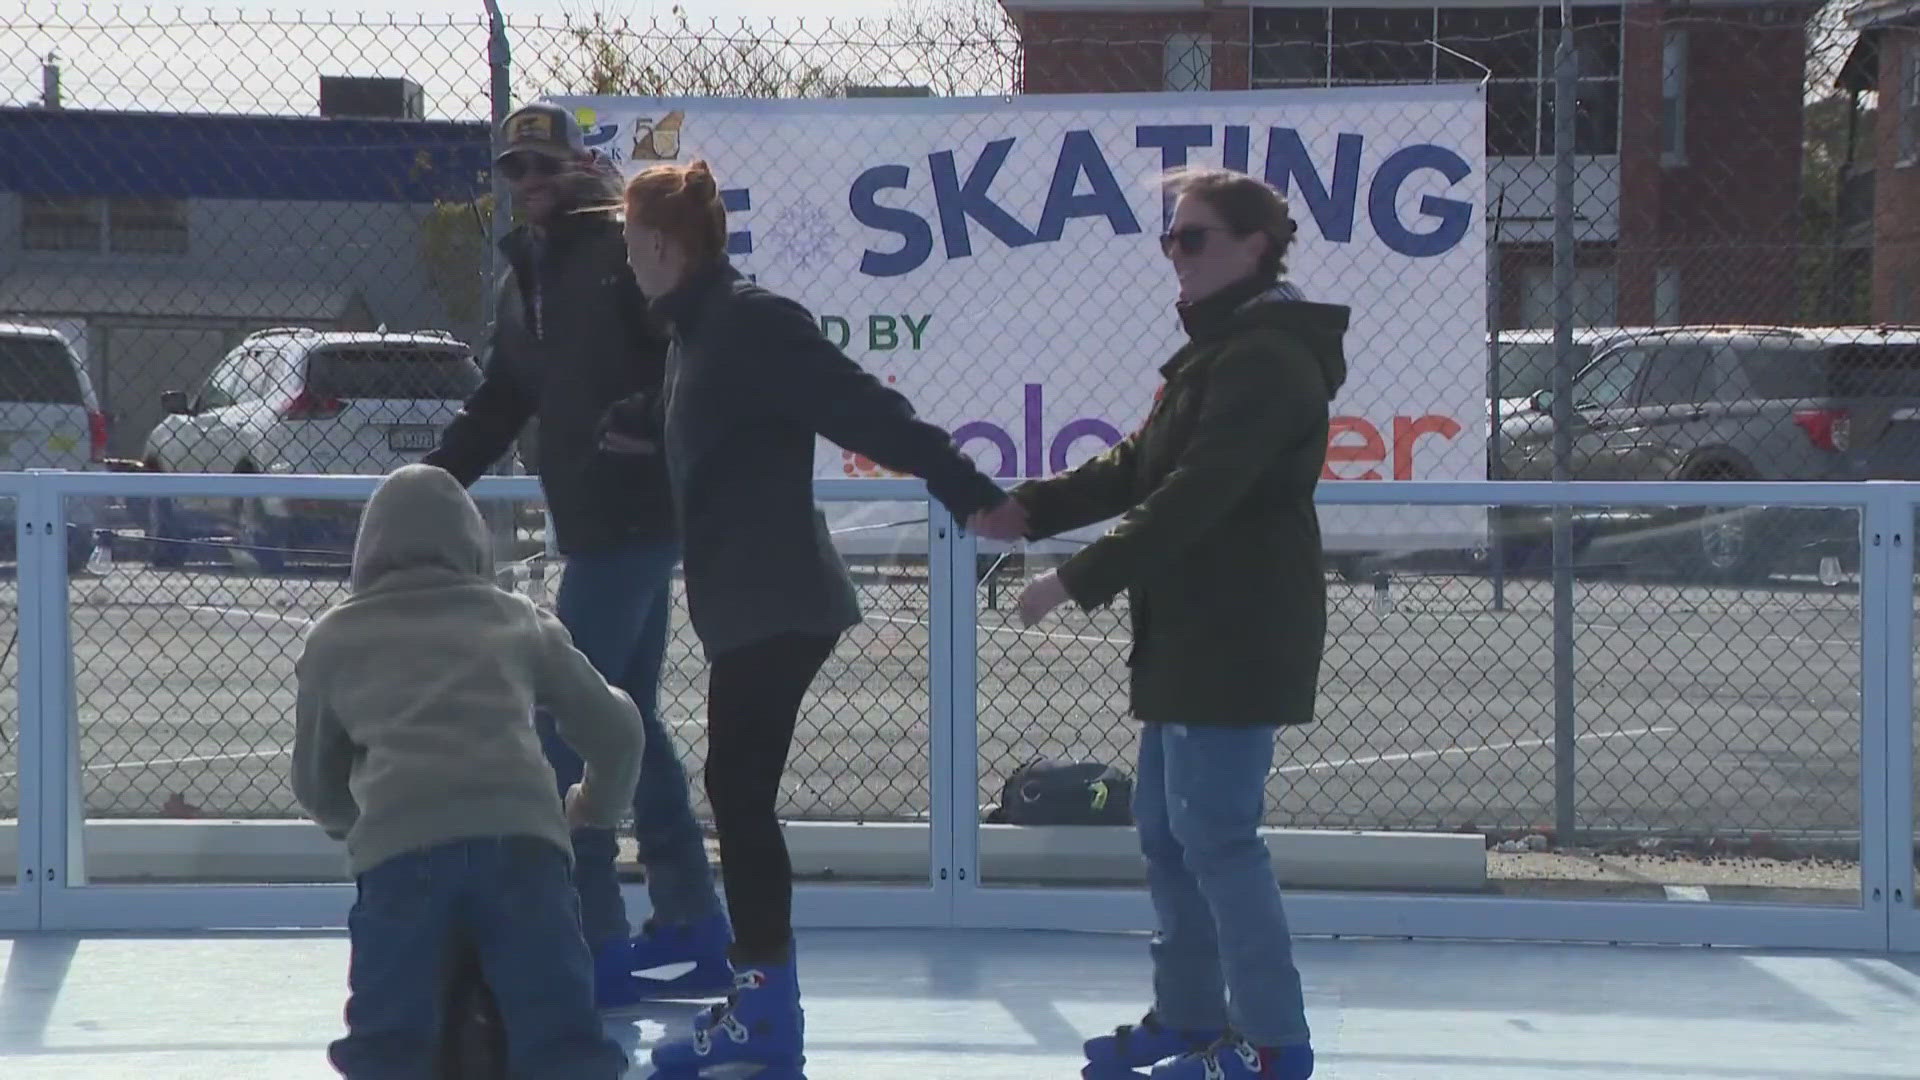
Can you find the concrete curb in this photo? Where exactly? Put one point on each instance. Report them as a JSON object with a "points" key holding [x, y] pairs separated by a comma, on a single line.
{"points": [[227, 851]]}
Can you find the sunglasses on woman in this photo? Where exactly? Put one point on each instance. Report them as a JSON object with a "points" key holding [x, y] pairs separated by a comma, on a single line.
{"points": [[517, 166], [1191, 239]]}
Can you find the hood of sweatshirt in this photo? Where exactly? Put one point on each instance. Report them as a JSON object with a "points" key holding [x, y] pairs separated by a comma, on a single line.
{"points": [[420, 521]]}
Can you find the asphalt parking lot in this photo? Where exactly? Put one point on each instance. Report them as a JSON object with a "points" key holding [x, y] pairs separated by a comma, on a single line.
{"points": [[1698, 709]]}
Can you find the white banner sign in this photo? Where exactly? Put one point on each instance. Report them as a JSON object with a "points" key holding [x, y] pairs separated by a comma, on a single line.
{"points": [[996, 260]]}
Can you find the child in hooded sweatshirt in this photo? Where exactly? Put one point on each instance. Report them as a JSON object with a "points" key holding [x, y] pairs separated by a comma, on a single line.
{"points": [[415, 744]]}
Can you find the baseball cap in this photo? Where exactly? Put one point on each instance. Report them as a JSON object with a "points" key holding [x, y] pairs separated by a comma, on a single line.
{"points": [[544, 129]]}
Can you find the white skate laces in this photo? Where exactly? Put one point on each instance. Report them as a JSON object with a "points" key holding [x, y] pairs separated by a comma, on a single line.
{"points": [[721, 1016], [1242, 1049], [703, 1037]]}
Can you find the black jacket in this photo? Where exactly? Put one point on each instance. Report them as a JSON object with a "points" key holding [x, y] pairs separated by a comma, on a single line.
{"points": [[587, 348], [750, 381]]}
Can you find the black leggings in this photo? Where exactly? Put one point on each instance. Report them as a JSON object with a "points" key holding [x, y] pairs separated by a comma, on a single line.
{"points": [[753, 700]]}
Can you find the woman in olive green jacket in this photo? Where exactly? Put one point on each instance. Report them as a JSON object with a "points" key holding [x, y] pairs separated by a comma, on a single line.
{"points": [[1218, 550]]}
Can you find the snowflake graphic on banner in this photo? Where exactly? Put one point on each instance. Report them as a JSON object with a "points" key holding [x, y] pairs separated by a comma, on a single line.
{"points": [[802, 236]]}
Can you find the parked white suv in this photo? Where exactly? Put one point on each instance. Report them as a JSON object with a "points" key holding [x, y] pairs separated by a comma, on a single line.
{"points": [[50, 418], [306, 401]]}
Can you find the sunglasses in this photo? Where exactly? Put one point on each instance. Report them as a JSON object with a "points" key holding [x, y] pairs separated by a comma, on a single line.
{"points": [[1191, 240], [517, 166]]}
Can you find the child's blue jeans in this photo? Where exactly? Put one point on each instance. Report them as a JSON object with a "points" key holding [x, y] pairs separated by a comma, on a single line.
{"points": [[512, 898]]}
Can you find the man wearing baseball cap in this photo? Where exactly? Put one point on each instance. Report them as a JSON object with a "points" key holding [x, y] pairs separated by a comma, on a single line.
{"points": [[572, 346]]}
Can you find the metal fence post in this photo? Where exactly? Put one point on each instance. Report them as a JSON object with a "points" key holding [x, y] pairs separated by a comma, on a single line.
{"points": [[500, 94], [42, 798], [1894, 802], [1496, 555], [1886, 678], [1565, 97], [46, 649], [503, 517], [961, 832]]}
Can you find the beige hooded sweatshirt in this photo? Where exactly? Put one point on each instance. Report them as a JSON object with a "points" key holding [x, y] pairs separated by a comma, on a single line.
{"points": [[414, 718]]}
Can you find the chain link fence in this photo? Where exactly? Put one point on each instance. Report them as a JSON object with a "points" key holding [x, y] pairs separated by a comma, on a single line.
{"points": [[185, 686], [289, 221]]}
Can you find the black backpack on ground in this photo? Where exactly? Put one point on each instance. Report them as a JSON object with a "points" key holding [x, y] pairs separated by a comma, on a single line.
{"points": [[1060, 793]]}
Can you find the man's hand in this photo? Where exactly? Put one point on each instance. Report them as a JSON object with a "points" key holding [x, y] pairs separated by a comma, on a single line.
{"points": [[1006, 522], [1042, 595], [576, 804], [627, 427]]}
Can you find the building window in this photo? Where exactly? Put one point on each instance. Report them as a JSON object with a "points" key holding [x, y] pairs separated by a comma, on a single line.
{"points": [[1673, 98], [60, 223], [1506, 42], [1294, 47], [124, 226], [1382, 45], [1188, 62], [147, 226], [1596, 53], [1290, 47], [1666, 296], [1594, 295]]}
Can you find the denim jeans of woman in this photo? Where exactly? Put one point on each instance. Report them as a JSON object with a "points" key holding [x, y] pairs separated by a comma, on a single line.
{"points": [[1223, 955]]}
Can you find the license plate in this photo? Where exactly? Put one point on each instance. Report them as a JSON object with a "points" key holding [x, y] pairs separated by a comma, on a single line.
{"points": [[412, 438]]}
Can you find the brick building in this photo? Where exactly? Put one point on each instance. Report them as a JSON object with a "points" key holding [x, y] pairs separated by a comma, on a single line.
{"points": [[1688, 132], [1886, 60]]}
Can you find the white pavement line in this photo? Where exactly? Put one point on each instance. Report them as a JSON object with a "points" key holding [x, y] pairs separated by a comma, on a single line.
{"points": [[249, 613], [1586, 624], [1694, 893], [1460, 751], [1005, 630], [194, 759], [1704, 635]]}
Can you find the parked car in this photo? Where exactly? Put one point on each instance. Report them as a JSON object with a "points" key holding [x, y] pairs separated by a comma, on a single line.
{"points": [[304, 401], [1520, 366], [50, 418], [1526, 359], [1734, 403]]}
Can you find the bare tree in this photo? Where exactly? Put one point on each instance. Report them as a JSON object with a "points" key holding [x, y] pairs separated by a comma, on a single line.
{"points": [[674, 58], [952, 47], [956, 47]]}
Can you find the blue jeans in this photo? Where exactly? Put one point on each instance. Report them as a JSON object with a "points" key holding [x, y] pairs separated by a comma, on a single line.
{"points": [[508, 897], [1222, 955], [617, 604]]}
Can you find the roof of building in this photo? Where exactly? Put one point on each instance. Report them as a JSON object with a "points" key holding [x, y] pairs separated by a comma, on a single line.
{"points": [[1860, 72], [63, 152], [1871, 14]]}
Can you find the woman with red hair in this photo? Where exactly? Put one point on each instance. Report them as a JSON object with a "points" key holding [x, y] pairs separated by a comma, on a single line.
{"points": [[750, 382]]}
